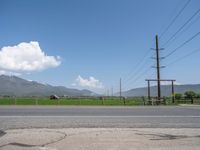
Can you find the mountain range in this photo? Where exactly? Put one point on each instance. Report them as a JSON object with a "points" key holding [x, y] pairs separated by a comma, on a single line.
{"points": [[15, 86]]}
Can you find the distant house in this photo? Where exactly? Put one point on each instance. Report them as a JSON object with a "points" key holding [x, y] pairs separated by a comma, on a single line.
{"points": [[54, 97]]}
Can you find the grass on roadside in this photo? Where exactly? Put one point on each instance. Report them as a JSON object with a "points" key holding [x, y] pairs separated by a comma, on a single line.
{"points": [[107, 102], [45, 101]]}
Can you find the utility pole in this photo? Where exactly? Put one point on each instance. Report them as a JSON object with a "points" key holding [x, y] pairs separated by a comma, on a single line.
{"points": [[173, 94], [158, 68], [149, 98], [120, 88]]}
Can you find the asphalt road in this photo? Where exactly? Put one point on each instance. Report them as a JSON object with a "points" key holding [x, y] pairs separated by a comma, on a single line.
{"points": [[16, 117]]}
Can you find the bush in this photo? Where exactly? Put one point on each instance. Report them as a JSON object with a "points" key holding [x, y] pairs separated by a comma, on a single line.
{"points": [[178, 96]]}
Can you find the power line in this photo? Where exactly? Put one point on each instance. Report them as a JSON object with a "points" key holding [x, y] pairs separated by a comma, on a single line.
{"points": [[136, 72], [138, 77], [136, 66], [183, 31], [189, 54], [172, 22], [187, 41], [182, 27]]}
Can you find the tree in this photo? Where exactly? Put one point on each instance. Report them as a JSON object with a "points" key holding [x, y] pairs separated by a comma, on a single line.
{"points": [[178, 96], [190, 94], [197, 95]]}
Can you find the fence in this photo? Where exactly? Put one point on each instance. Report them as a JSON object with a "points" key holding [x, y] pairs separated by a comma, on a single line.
{"points": [[130, 101]]}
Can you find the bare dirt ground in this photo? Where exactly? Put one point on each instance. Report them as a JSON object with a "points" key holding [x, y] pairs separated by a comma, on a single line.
{"points": [[100, 139]]}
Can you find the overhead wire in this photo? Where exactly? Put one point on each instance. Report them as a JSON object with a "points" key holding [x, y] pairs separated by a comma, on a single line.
{"points": [[175, 18], [181, 27], [187, 41], [183, 57], [137, 77], [180, 33]]}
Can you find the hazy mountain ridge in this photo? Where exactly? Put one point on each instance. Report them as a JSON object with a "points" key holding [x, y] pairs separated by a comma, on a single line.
{"points": [[165, 90], [15, 86]]}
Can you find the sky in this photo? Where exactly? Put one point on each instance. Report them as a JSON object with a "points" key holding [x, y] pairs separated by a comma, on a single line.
{"points": [[91, 44]]}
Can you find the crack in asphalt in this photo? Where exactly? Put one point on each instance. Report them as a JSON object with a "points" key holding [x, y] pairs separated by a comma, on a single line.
{"points": [[2, 133], [168, 136], [19, 144], [39, 145], [52, 142], [58, 140]]}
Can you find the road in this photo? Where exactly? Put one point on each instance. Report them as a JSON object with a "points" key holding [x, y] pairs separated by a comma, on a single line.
{"points": [[16, 117]]}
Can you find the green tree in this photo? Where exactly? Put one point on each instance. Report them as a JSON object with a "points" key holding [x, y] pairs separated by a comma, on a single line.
{"points": [[197, 95], [178, 96], [190, 94]]}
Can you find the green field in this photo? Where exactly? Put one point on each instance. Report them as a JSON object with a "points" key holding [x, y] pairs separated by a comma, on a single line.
{"points": [[86, 101], [82, 101]]}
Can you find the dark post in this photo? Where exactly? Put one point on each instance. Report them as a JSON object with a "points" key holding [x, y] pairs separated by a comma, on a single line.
{"points": [[143, 98], [192, 100], [158, 68], [149, 90], [173, 96], [120, 89], [124, 100]]}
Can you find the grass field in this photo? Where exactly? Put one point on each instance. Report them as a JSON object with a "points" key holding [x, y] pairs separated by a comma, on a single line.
{"points": [[108, 102], [45, 101]]}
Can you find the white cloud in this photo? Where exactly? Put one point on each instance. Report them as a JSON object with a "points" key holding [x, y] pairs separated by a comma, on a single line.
{"points": [[3, 72], [90, 83], [26, 57]]}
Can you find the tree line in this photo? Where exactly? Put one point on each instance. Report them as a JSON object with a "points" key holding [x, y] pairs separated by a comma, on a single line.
{"points": [[187, 95]]}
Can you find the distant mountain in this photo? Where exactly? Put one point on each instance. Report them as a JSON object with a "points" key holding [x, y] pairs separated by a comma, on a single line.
{"points": [[15, 86], [165, 90]]}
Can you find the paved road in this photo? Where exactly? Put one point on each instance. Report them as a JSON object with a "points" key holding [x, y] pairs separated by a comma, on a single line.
{"points": [[86, 116]]}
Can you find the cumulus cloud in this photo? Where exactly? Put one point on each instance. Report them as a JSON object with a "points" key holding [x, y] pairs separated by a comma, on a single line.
{"points": [[91, 82], [26, 57]]}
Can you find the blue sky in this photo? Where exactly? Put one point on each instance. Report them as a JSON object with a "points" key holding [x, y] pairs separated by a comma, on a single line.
{"points": [[103, 39]]}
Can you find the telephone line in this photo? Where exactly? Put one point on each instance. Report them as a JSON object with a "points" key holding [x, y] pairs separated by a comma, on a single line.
{"points": [[137, 77], [181, 27], [175, 18], [187, 41], [189, 54]]}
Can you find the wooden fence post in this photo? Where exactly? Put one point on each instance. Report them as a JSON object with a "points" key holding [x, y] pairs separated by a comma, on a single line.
{"points": [[192, 100]]}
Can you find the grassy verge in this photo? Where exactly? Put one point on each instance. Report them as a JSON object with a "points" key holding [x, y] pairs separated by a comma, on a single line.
{"points": [[43, 101], [106, 102]]}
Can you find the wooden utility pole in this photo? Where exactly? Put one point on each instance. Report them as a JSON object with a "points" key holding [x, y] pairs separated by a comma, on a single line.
{"points": [[149, 98], [173, 94], [158, 68], [120, 88]]}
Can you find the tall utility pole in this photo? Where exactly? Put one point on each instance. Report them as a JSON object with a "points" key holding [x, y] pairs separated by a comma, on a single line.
{"points": [[120, 88], [158, 67], [173, 96], [149, 92]]}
